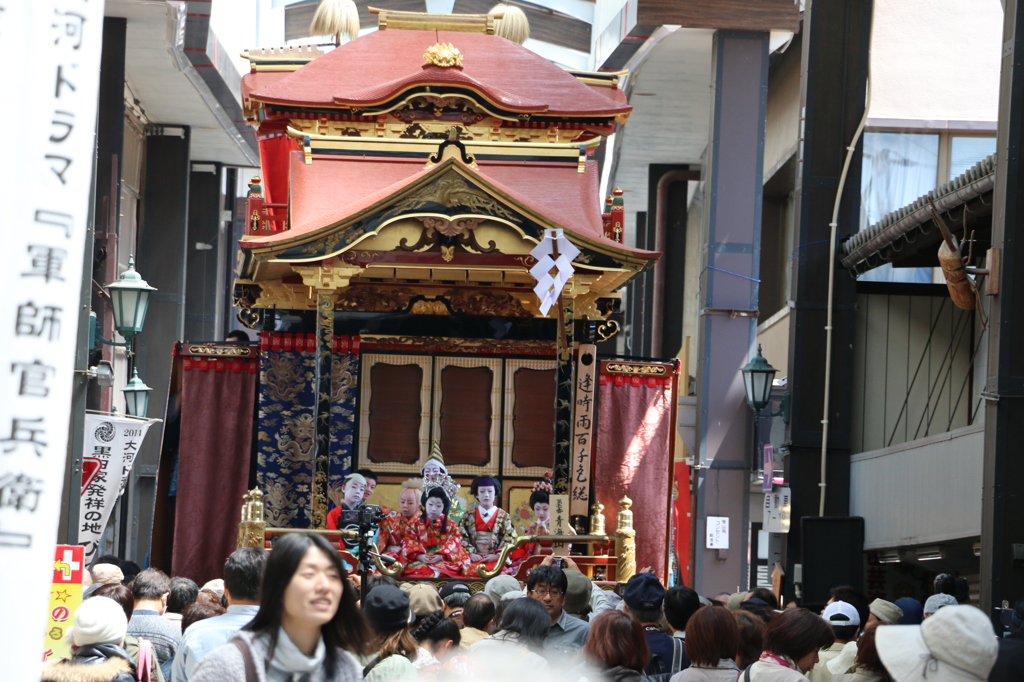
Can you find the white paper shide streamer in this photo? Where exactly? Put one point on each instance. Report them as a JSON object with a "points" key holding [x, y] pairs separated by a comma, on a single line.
{"points": [[553, 269]]}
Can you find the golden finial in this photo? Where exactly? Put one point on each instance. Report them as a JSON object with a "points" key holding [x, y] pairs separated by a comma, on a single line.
{"points": [[443, 55]]}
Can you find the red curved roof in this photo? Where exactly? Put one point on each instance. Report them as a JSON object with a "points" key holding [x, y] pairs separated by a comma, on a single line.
{"points": [[379, 66], [561, 194]]}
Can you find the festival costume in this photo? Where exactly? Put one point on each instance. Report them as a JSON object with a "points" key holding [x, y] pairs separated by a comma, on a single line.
{"points": [[489, 536], [393, 530], [431, 537], [344, 517]]}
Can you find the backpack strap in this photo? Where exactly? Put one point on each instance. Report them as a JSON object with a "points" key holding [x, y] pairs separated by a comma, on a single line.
{"points": [[746, 673], [144, 667], [678, 649], [371, 665], [250, 664]]}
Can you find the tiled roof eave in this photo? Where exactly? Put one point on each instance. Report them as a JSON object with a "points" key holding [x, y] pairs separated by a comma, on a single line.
{"points": [[862, 251]]}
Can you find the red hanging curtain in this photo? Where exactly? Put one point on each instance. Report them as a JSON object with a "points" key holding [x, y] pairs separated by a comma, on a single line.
{"points": [[213, 462], [633, 457]]}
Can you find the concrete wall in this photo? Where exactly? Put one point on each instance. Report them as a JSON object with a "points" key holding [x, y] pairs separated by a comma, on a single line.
{"points": [[782, 119], [936, 60], [924, 491]]}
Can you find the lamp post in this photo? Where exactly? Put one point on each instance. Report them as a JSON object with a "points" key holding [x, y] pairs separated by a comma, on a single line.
{"points": [[136, 396], [757, 381], [129, 298]]}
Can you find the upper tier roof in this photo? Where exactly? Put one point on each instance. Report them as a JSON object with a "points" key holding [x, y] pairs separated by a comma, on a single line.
{"points": [[379, 66]]}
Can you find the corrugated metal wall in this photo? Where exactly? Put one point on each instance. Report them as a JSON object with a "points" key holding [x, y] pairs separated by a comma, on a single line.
{"points": [[912, 369]]}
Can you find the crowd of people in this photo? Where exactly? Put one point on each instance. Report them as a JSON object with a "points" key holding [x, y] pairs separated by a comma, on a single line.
{"points": [[297, 614], [294, 614]]}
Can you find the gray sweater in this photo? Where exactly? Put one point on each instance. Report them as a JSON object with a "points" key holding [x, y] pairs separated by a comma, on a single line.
{"points": [[225, 664]]}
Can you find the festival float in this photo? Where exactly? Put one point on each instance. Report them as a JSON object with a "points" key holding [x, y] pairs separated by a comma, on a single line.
{"points": [[431, 267]]}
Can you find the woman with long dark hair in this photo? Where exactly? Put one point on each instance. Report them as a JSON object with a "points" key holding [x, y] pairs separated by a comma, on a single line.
{"points": [[518, 642], [308, 624]]}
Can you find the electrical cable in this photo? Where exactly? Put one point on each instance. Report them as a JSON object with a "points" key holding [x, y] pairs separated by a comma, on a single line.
{"points": [[832, 267]]}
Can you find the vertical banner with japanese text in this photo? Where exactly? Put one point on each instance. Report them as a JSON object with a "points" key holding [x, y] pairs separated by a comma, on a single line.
{"points": [[583, 430], [50, 107], [111, 444], [65, 598]]}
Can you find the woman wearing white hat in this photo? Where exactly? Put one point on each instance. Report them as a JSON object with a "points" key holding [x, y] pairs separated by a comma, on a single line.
{"points": [[957, 644], [97, 640]]}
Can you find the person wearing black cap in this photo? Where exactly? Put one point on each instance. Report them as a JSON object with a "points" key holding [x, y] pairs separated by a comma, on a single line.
{"points": [[644, 596], [387, 610]]}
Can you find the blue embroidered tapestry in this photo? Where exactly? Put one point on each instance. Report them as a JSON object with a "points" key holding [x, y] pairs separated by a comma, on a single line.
{"points": [[285, 439]]}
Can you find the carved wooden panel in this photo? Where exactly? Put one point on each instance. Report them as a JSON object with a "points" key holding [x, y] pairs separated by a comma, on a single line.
{"points": [[465, 416]]}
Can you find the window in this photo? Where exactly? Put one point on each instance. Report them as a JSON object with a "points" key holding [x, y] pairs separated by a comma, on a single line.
{"points": [[900, 167]]}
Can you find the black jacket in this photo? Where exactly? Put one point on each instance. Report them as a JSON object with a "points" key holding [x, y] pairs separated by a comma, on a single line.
{"points": [[93, 663], [1009, 665]]}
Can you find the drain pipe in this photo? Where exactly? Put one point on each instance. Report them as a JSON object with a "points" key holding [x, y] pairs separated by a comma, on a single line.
{"points": [[832, 270]]}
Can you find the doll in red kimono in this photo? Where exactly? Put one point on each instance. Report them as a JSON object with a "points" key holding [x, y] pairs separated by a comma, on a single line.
{"points": [[487, 528], [433, 543]]}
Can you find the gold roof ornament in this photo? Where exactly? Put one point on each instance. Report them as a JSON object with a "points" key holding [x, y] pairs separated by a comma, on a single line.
{"points": [[443, 55]]}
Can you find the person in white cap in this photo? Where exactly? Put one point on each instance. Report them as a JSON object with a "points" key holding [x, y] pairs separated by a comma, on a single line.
{"points": [[883, 611], [97, 640], [936, 602], [845, 622], [957, 644]]}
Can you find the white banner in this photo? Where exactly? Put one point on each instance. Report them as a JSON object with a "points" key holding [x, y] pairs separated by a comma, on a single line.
{"points": [[111, 445], [50, 111]]}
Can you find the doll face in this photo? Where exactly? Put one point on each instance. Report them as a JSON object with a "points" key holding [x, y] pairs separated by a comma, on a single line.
{"points": [[542, 511], [434, 507], [354, 493], [409, 502], [485, 496], [431, 467]]}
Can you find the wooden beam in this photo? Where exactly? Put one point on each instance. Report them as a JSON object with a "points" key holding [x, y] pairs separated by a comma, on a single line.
{"points": [[737, 15]]}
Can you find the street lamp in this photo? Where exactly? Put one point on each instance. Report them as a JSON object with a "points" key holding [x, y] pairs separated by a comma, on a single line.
{"points": [[136, 396], [130, 298], [757, 381]]}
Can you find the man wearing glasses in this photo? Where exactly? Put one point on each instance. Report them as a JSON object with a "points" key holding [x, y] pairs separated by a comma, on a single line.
{"points": [[547, 584]]}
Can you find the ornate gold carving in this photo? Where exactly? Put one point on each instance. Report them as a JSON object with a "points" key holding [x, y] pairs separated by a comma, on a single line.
{"points": [[436, 344], [278, 294], [626, 368], [450, 228], [586, 306], [452, 190], [250, 318], [625, 542], [237, 351], [317, 498], [326, 277], [448, 253], [443, 54], [607, 330], [597, 519], [371, 299], [429, 307], [252, 528], [527, 261], [489, 302]]}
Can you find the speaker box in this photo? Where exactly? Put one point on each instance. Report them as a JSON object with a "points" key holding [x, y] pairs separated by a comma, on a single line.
{"points": [[833, 555]]}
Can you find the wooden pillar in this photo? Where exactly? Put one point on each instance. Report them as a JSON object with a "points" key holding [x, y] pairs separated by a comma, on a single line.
{"points": [[322, 406], [564, 393]]}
